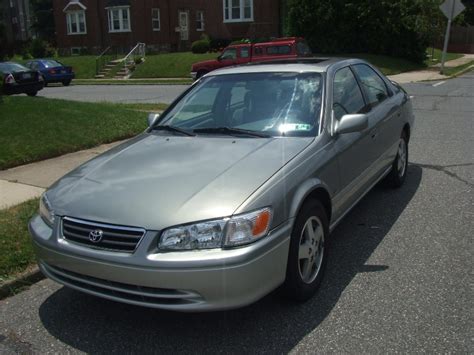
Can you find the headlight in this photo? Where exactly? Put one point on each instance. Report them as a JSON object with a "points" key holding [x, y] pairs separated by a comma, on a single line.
{"points": [[45, 210], [238, 230]]}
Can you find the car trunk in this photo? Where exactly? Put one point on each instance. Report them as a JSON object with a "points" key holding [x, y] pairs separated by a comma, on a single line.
{"points": [[24, 77]]}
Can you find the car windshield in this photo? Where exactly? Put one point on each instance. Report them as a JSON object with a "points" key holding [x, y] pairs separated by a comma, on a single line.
{"points": [[276, 104], [12, 68], [51, 64]]}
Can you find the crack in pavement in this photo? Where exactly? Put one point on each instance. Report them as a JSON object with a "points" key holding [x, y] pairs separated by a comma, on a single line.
{"points": [[443, 168]]}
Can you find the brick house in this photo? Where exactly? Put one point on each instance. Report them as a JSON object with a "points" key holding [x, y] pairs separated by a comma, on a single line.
{"points": [[163, 25]]}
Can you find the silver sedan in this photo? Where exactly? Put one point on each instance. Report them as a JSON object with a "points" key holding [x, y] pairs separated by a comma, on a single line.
{"points": [[232, 192]]}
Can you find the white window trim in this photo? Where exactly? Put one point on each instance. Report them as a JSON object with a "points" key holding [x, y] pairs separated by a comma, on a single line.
{"points": [[203, 22], [69, 24], [74, 3], [121, 8], [153, 19], [229, 9]]}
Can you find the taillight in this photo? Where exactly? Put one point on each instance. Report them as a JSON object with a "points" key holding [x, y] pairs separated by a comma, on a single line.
{"points": [[10, 79]]}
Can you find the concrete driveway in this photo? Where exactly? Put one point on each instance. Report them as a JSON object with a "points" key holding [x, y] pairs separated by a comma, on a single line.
{"points": [[398, 278]]}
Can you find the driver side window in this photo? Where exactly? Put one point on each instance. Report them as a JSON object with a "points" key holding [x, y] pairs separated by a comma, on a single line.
{"points": [[347, 97], [230, 53]]}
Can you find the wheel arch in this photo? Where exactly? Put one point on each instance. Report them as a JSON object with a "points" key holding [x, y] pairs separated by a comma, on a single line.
{"points": [[312, 190], [407, 130]]}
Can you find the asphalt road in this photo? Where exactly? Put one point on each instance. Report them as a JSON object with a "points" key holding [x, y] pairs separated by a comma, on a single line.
{"points": [[115, 93], [399, 275]]}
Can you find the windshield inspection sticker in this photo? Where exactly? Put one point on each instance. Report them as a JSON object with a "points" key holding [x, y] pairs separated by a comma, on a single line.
{"points": [[287, 127]]}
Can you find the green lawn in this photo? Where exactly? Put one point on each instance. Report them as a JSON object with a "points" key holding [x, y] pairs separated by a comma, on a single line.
{"points": [[33, 129], [16, 251], [458, 69], [171, 65], [437, 56]]}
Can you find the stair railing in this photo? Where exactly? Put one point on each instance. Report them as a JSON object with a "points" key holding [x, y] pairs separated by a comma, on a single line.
{"points": [[139, 51], [105, 57]]}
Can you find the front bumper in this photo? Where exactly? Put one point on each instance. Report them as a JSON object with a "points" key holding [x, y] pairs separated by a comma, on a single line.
{"points": [[182, 281]]}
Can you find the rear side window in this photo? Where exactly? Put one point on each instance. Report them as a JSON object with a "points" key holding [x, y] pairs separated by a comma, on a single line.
{"points": [[373, 85], [347, 97], [278, 50], [302, 49], [257, 51]]}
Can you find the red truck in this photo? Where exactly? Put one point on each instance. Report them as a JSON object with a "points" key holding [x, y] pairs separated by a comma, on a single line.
{"points": [[280, 48]]}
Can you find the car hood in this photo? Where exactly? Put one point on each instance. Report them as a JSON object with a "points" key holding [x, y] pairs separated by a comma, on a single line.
{"points": [[155, 181], [205, 63]]}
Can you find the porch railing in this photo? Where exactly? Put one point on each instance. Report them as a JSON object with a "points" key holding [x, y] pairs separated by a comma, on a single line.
{"points": [[105, 57], [137, 52]]}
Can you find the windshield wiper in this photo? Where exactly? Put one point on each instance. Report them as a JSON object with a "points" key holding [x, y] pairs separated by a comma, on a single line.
{"points": [[173, 129], [231, 131]]}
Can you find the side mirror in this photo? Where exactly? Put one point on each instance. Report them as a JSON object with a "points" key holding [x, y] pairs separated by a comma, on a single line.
{"points": [[352, 123], [152, 118]]}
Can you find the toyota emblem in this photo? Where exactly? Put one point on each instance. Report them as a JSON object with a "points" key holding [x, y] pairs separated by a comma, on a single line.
{"points": [[95, 236]]}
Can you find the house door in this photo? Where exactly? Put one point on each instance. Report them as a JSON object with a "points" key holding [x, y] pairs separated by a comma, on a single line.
{"points": [[184, 25]]}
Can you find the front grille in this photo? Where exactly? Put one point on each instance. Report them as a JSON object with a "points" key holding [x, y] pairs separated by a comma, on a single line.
{"points": [[102, 236], [141, 295]]}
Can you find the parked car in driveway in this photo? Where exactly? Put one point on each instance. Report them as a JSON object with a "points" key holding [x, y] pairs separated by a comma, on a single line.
{"points": [[232, 192], [17, 79], [52, 70], [279, 48]]}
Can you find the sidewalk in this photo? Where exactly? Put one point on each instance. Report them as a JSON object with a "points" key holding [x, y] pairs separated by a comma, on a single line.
{"points": [[432, 73], [456, 62], [29, 181]]}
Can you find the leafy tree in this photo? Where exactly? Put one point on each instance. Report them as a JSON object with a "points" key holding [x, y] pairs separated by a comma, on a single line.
{"points": [[402, 28], [43, 19], [3, 40]]}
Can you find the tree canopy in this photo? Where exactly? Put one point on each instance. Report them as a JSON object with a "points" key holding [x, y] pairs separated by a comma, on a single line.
{"points": [[401, 28], [43, 19]]}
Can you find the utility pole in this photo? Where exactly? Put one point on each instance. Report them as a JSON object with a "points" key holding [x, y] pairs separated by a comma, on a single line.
{"points": [[451, 9]]}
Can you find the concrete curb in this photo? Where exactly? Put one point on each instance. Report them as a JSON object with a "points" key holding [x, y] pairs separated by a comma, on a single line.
{"points": [[27, 278]]}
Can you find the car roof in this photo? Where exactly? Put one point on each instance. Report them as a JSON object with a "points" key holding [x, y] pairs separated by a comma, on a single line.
{"points": [[318, 65]]}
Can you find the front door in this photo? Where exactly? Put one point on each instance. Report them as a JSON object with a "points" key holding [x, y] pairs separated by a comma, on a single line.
{"points": [[353, 149], [184, 25]]}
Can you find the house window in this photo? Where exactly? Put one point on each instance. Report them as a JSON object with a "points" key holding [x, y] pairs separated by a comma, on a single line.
{"points": [[76, 22], [238, 10], [199, 20], [155, 19], [119, 19]]}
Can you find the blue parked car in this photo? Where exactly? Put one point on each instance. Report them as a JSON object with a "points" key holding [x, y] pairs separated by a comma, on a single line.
{"points": [[52, 71]]}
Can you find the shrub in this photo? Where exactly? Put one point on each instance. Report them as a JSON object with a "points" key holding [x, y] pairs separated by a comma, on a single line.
{"points": [[217, 44], [241, 41], [41, 49], [201, 46]]}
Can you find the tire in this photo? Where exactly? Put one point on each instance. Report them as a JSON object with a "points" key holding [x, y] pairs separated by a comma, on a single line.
{"points": [[66, 82], [397, 175], [32, 93], [304, 274]]}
